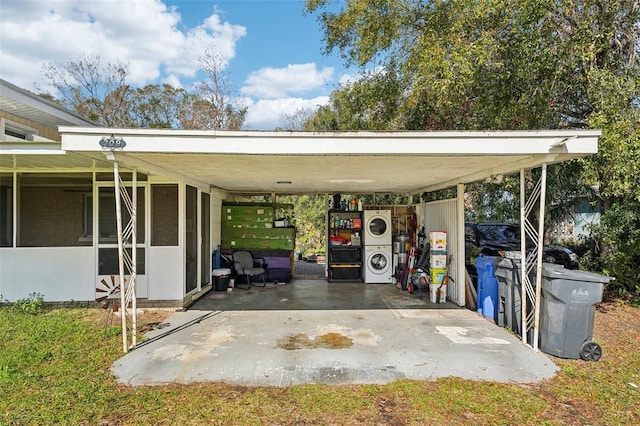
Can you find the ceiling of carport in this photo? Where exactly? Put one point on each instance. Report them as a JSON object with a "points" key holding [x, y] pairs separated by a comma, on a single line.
{"points": [[324, 174], [331, 162]]}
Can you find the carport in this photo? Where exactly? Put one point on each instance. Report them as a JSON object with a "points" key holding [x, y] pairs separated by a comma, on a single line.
{"points": [[222, 162]]}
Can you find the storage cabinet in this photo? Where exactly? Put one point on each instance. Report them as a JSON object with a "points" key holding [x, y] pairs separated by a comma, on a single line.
{"points": [[252, 227], [345, 255]]}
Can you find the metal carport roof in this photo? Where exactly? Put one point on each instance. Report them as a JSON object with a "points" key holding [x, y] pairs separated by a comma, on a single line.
{"points": [[29, 106], [328, 162]]}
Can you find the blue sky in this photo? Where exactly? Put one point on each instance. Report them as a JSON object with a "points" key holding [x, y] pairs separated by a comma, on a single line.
{"points": [[272, 50]]}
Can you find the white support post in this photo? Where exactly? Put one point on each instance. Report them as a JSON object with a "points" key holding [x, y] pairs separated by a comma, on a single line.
{"points": [[461, 263], [524, 281], [543, 193], [127, 238], [14, 212], [531, 291], [134, 257], [123, 309]]}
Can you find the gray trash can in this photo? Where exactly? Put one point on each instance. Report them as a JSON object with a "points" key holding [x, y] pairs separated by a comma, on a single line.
{"points": [[567, 311], [509, 295], [221, 279]]}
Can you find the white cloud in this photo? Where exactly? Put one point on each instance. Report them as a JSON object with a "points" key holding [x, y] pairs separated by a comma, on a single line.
{"points": [[143, 33], [172, 80], [152, 38], [267, 114], [274, 83]]}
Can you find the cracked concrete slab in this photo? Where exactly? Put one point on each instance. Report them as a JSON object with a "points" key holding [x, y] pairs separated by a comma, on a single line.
{"points": [[383, 335]]}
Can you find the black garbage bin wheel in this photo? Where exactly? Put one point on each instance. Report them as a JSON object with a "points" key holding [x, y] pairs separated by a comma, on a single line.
{"points": [[590, 351]]}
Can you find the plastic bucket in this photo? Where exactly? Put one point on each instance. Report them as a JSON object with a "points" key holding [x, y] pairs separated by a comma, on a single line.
{"points": [[220, 283]]}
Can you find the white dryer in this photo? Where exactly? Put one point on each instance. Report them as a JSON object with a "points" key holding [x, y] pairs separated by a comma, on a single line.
{"points": [[378, 264], [377, 228]]}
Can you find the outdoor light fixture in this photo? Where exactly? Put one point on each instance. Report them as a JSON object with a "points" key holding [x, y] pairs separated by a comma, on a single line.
{"points": [[112, 142]]}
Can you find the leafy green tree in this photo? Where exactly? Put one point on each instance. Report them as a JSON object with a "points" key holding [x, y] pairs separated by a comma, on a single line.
{"points": [[310, 219], [352, 107], [156, 106], [459, 65]]}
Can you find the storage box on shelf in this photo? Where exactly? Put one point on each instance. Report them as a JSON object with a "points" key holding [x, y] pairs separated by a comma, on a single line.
{"points": [[438, 240], [345, 272], [438, 259]]}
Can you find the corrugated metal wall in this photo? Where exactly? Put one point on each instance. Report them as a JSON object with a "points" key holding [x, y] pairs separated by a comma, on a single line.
{"points": [[441, 216]]}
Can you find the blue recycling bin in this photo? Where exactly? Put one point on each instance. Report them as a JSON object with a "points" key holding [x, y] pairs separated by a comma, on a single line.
{"points": [[487, 286]]}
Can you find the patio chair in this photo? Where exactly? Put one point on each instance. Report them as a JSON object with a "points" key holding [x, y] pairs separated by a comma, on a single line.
{"points": [[245, 264]]}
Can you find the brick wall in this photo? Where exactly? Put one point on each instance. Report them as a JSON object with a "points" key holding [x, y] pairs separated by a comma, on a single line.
{"points": [[51, 217], [45, 132], [164, 215]]}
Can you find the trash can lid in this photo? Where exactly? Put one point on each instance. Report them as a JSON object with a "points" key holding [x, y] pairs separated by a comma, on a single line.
{"points": [[483, 261], [221, 272], [509, 263], [554, 271]]}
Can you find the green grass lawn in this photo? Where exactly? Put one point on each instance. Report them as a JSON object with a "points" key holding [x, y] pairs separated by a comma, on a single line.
{"points": [[54, 369]]}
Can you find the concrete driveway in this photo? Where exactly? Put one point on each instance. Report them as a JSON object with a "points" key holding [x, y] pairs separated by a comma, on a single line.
{"points": [[315, 332]]}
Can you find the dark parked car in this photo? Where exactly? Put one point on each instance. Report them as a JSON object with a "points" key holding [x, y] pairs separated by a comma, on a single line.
{"points": [[494, 239]]}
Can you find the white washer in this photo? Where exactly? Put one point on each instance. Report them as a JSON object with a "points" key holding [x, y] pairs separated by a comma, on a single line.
{"points": [[377, 228], [378, 264]]}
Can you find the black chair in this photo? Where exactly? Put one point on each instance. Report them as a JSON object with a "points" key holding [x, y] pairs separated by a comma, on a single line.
{"points": [[245, 264]]}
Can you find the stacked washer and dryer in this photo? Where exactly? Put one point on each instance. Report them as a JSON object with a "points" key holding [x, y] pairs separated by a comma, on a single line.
{"points": [[378, 247]]}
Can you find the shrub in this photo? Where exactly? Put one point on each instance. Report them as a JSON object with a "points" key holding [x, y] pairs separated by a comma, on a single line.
{"points": [[30, 305]]}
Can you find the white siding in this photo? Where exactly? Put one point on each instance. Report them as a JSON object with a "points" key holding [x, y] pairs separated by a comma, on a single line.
{"points": [[441, 216], [58, 273], [165, 273], [216, 219]]}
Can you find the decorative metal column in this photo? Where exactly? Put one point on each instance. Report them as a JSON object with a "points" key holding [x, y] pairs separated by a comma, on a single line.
{"points": [[530, 292], [127, 256]]}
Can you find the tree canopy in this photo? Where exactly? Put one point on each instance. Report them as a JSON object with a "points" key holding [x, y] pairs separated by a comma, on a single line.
{"points": [[492, 64], [100, 92]]}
